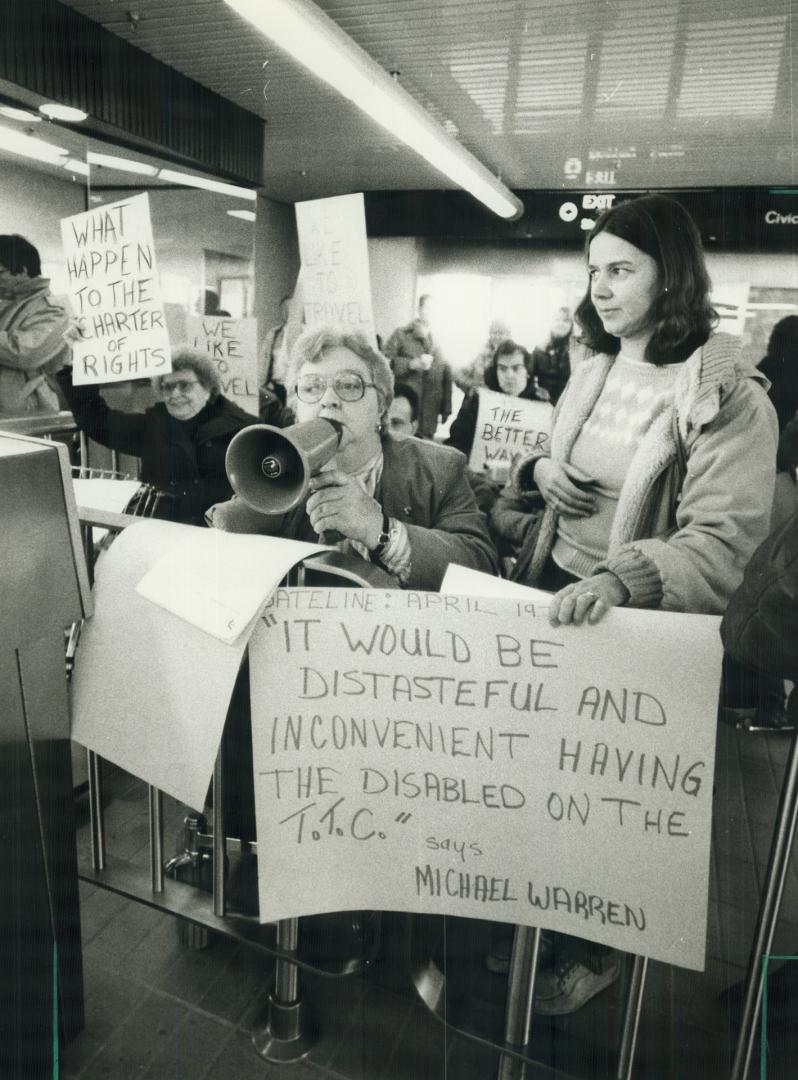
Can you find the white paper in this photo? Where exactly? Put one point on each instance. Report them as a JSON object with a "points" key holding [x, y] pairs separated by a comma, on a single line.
{"points": [[459, 755], [105, 494], [150, 692], [217, 581], [462, 581]]}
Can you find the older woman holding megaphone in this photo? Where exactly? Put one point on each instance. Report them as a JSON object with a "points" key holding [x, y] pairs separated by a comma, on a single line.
{"points": [[404, 505]]}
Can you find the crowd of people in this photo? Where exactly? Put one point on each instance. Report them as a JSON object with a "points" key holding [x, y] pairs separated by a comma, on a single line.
{"points": [[654, 490]]}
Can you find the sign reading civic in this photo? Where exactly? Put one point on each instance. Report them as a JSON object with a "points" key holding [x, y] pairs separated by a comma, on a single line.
{"points": [[336, 286], [452, 754], [115, 293], [507, 428], [232, 346]]}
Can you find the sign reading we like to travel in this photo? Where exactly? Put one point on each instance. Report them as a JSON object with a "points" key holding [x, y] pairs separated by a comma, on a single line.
{"points": [[232, 346], [115, 293], [459, 755], [507, 428], [336, 286]]}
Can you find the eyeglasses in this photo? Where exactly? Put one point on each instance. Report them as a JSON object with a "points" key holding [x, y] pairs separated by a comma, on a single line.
{"points": [[348, 386], [183, 386]]}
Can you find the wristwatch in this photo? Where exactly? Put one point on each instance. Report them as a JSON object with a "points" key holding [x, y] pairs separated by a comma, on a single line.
{"points": [[385, 537]]}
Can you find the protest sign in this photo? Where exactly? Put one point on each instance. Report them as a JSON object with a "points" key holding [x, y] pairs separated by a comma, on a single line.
{"points": [[459, 755], [507, 428], [232, 346], [336, 286], [115, 293]]}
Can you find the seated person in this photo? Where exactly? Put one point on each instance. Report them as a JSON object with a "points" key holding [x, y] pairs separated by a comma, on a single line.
{"points": [[509, 372], [405, 504], [32, 326], [402, 418], [182, 440], [511, 516]]}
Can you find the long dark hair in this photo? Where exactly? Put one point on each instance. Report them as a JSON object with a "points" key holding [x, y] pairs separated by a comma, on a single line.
{"points": [[683, 314]]}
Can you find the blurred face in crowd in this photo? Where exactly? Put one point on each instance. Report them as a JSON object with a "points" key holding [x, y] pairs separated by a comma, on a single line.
{"points": [[623, 287], [497, 333], [511, 374], [183, 394], [400, 419], [563, 324], [339, 386], [10, 280]]}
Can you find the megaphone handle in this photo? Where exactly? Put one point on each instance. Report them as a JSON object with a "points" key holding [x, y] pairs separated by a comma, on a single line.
{"points": [[331, 537]]}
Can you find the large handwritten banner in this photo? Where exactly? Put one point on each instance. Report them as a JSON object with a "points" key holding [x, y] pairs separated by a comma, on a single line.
{"points": [[115, 293], [428, 753], [507, 428], [336, 286], [232, 345]]}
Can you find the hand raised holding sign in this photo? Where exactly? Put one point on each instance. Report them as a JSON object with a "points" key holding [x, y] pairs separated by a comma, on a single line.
{"points": [[590, 598]]}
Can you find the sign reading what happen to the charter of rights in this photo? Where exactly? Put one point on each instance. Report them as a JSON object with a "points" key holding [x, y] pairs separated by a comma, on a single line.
{"points": [[232, 346], [507, 428], [428, 753], [336, 287], [115, 293]]}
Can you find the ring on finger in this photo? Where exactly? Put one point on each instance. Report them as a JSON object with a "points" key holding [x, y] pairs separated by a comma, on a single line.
{"points": [[588, 593]]}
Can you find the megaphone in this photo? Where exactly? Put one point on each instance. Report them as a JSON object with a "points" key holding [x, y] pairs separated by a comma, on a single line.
{"points": [[270, 468]]}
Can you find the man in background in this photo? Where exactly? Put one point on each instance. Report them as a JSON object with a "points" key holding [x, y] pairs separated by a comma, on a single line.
{"points": [[32, 325], [417, 361], [402, 418]]}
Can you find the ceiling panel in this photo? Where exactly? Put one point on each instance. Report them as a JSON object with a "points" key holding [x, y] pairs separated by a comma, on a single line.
{"points": [[635, 94]]}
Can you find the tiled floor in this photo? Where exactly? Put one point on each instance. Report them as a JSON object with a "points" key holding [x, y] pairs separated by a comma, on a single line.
{"points": [[157, 1010]]}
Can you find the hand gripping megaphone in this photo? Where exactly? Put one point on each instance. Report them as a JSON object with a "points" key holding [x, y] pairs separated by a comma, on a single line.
{"points": [[270, 468]]}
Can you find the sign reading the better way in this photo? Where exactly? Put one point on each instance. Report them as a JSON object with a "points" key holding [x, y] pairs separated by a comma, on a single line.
{"points": [[507, 428], [450, 754]]}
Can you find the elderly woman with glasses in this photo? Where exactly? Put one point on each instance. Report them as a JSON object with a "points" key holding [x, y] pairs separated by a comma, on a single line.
{"points": [[182, 440], [404, 504]]}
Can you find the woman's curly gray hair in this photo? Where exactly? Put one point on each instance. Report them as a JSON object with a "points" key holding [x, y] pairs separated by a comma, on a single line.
{"points": [[184, 358], [311, 346]]}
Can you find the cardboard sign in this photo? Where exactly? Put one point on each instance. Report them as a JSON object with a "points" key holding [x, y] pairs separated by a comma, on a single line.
{"points": [[336, 287], [418, 752], [232, 345], [507, 428], [115, 293]]}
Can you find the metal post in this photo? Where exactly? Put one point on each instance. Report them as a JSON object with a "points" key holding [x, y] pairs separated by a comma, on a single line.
{"points": [[520, 998], [287, 1031], [156, 837], [631, 1018], [778, 862], [219, 851], [96, 812]]}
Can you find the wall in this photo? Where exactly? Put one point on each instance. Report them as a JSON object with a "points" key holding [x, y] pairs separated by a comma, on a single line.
{"points": [[32, 204], [393, 264]]}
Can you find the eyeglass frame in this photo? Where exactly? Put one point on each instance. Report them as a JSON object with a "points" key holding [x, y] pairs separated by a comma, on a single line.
{"points": [[331, 383], [181, 385]]}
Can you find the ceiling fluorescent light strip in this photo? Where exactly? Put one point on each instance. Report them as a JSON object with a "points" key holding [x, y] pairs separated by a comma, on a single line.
{"points": [[75, 165], [316, 41], [28, 146], [174, 177], [110, 161]]}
